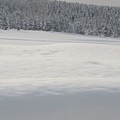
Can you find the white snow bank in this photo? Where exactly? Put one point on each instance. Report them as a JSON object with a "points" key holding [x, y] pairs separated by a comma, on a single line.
{"points": [[38, 37], [55, 62]]}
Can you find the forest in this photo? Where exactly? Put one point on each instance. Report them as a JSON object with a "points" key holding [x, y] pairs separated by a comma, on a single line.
{"points": [[60, 16]]}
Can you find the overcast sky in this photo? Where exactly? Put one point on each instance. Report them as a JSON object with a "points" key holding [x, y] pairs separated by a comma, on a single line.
{"points": [[98, 2]]}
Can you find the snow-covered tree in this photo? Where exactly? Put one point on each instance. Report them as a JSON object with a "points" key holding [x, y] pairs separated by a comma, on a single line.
{"points": [[60, 16]]}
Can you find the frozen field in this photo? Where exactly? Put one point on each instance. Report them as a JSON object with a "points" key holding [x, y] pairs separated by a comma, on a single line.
{"points": [[57, 63], [57, 76]]}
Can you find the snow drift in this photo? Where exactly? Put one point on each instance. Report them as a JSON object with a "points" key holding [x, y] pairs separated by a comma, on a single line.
{"points": [[50, 62]]}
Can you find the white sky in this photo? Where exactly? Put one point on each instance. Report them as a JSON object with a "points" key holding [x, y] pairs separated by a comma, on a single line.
{"points": [[98, 2]]}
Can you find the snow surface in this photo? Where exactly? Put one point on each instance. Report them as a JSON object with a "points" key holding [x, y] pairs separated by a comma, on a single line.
{"points": [[55, 63]]}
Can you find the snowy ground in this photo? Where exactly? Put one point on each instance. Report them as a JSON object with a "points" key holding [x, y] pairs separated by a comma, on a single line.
{"points": [[57, 63]]}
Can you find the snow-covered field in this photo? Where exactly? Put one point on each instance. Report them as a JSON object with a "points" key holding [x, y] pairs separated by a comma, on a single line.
{"points": [[51, 62]]}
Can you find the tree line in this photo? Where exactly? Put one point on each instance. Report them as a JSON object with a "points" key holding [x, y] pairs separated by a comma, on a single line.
{"points": [[60, 16]]}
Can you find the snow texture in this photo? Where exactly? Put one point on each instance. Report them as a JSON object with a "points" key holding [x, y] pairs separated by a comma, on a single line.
{"points": [[57, 63]]}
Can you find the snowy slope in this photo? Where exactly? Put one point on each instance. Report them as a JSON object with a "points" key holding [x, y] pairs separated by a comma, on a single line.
{"points": [[57, 63]]}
